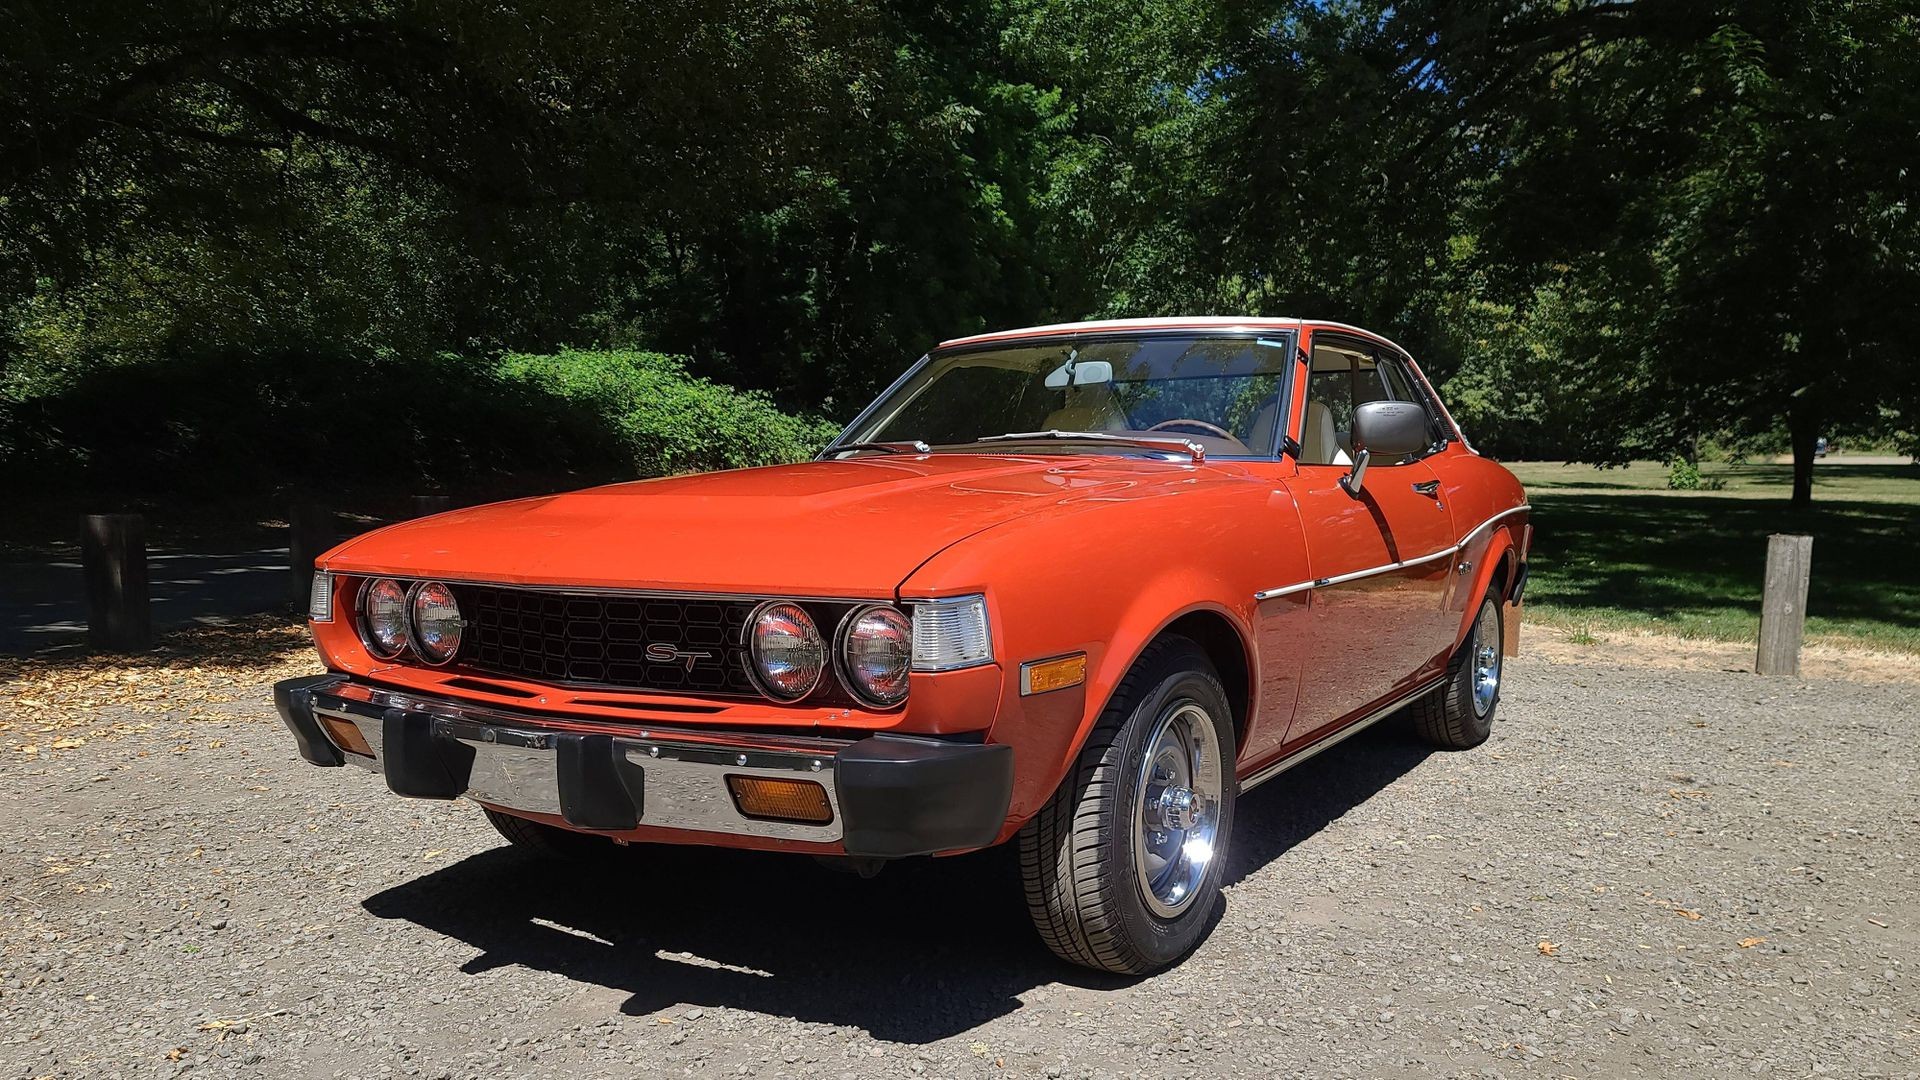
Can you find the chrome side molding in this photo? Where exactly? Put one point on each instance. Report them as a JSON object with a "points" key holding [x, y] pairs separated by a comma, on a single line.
{"points": [[1319, 583]]}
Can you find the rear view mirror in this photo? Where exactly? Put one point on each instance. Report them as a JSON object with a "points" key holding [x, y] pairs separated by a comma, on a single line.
{"points": [[1085, 373], [1393, 429]]}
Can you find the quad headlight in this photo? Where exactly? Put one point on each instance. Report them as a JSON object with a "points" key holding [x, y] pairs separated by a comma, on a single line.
{"points": [[876, 654], [383, 618], [423, 617], [788, 654], [436, 622]]}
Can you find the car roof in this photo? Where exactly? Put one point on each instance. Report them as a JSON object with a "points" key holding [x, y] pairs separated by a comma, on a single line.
{"points": [[1178, 322]]}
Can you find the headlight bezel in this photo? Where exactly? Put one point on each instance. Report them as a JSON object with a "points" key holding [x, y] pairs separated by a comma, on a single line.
{"points": [[844, 665], [756, 669], [364, 622], [417, 640]]}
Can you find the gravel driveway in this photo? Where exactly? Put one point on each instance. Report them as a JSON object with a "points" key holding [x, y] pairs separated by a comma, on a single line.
{"points": [[1646, 872]]}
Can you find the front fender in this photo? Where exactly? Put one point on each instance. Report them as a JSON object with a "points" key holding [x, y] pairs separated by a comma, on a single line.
{"points": [[1106, 582]]}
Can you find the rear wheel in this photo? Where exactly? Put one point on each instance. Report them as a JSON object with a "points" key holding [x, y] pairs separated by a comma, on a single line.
{"points": [[1122, 866], [547, 841], [1458, 714]]}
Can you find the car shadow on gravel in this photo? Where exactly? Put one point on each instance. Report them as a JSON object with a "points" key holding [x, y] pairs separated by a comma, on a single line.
{"points": [[927, 950], [1271, 819]]}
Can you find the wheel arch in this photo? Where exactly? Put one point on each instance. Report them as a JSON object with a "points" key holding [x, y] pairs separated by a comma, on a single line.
{"points": [[1230, 652]]}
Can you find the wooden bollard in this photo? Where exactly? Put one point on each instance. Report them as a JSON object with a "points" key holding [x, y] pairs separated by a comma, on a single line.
{"points": [[312, 532], [431, 504], [1783, 604], [113, 552]]}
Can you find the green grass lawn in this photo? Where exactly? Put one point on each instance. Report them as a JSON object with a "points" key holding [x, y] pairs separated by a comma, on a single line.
{"points": [[1614, 549]]}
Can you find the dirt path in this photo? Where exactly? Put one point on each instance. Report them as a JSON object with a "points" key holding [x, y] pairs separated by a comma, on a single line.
{"points": [[1649, 871]]}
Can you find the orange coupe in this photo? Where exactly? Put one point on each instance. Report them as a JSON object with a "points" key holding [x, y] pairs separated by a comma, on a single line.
{"points": [[1076, 587]]}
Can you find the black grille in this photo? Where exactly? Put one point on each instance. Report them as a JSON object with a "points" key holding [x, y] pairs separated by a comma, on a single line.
{"points": [[603, 639]]}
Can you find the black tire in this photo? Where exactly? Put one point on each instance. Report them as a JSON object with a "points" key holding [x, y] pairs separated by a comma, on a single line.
{"points": [[1077, 854], [1450, 717], [547, 841]]}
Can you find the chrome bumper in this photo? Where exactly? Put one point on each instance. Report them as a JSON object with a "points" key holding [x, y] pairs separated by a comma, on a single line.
{"points": [[890, 795]]}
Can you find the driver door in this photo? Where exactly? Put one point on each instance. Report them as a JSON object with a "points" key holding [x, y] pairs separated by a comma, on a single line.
{"points": [[1378, 625]]}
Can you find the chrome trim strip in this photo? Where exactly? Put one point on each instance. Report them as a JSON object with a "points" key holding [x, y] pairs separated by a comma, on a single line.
{"points": [[1269, 772], [1340, 579]]}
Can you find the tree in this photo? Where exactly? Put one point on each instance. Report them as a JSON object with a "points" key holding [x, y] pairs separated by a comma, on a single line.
{"points": [[1718, 200]]}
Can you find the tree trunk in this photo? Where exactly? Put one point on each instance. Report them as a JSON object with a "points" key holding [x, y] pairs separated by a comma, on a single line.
{"points": [[1803, 430]]}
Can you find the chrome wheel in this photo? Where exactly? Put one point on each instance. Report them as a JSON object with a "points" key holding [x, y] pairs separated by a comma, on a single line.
{"points": [[1179, 808], [1486, 659]]}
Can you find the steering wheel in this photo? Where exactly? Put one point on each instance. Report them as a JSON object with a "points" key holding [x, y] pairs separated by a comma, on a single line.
{"points": [[1205, 428]]}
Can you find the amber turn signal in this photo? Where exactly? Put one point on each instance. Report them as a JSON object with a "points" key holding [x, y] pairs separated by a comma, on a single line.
{"points": [[346, 736], [780, 800], [1041, 676]]}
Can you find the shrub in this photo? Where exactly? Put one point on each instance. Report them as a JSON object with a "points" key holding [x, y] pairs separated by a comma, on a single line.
{"points": [[233, 420], [664, 420]]}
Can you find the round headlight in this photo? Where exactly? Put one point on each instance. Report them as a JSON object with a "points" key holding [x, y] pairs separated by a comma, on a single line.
{"points": [[436, 623], [788, 653], [383, 618], [876, 654]]}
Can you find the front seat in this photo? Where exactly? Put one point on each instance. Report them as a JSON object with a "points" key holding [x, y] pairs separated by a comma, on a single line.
{"points": [[1091, 407], [1322, 444]]}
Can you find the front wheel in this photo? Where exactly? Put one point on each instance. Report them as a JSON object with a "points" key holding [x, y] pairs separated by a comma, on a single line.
{"points": [[1458, 714], [547, 841], [1122, 866]]}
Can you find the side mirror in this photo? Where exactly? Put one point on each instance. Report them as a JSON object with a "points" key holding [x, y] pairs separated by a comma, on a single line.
{"points": [[1392, 428]]}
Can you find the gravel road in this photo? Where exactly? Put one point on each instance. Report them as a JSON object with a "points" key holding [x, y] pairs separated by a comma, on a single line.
{"points": [[1646, 872]]}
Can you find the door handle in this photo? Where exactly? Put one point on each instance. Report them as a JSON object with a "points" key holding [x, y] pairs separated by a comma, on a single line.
{"points": [[1428, 487]]}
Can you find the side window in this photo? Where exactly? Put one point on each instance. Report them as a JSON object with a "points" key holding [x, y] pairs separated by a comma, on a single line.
{"points": [[1343, 375]]}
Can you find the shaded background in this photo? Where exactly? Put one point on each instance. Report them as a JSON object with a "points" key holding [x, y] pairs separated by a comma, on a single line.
{"points": [[262, 244]]}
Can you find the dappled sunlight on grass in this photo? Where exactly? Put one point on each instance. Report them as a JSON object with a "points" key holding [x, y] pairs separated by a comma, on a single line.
{"points": [[1693, 565]]}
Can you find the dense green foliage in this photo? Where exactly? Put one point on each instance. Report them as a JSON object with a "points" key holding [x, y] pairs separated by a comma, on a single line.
{"points": [[218, 423], [1615, 228]]}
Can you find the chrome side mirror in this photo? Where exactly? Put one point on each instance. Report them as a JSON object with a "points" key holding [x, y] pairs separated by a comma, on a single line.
{"points": [[1393, 428]]}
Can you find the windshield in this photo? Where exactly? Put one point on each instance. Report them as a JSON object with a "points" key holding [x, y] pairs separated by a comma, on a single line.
{"points": [[1220, 392]]}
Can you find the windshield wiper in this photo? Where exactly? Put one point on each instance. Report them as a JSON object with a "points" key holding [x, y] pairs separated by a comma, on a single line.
{"points": [[911, 446], [1192, 449]]}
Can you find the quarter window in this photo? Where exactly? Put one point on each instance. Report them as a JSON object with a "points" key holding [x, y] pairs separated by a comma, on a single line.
{"points": [[1344, 374]]}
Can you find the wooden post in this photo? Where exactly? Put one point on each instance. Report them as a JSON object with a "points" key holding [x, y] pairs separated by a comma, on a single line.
{"points": [[113, 552], [311, 534], [431, 504], [1783, 604]]}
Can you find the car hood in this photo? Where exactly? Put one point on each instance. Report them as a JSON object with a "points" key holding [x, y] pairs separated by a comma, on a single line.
{"points": [[853, 528]]}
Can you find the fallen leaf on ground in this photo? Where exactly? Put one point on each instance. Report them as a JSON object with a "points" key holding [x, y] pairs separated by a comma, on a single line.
{"points": [[1686, 913], [1750, 942], [67, 744], [1548, 948]]}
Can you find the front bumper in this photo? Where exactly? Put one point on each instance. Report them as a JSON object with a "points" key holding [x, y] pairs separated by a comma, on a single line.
{"points": [[891, 795]]}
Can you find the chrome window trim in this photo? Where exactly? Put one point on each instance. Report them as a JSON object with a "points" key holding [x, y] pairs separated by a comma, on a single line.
{"points": [[1339, 579]]}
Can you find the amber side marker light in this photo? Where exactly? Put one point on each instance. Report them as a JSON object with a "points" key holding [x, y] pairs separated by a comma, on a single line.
{"points": [[780, 800], [1040, 676], [346, 736]]}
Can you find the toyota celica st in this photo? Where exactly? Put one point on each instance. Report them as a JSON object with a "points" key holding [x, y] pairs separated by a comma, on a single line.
{"points": [[1074, 588]]}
